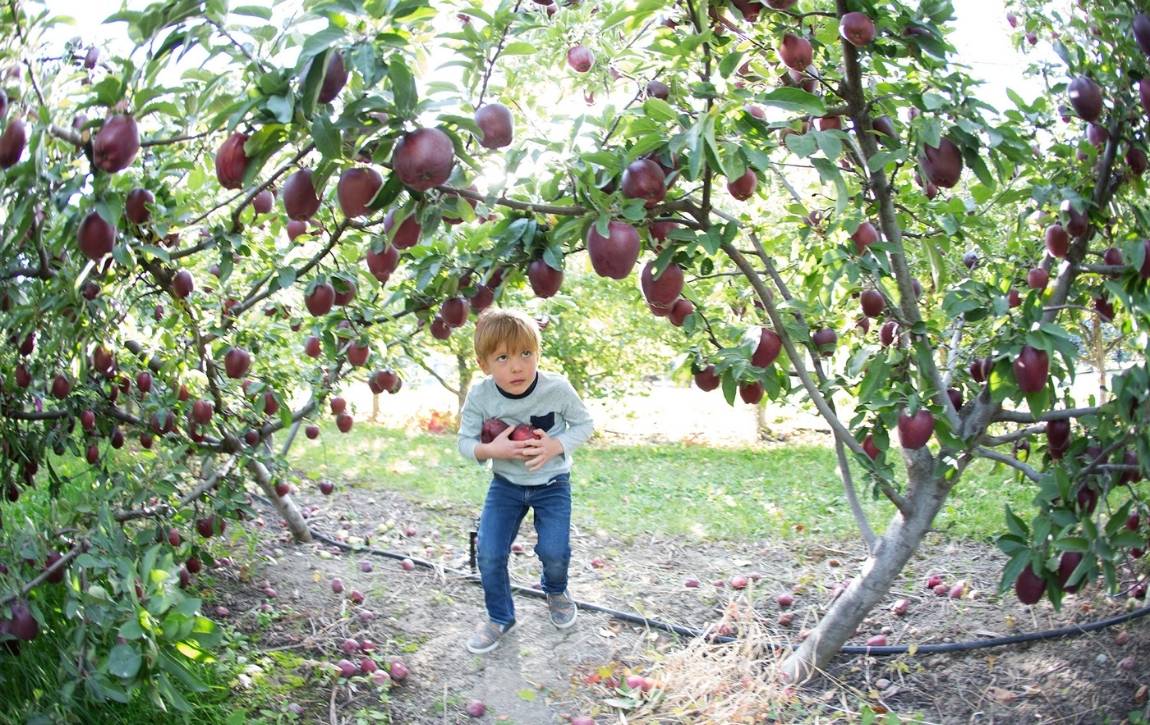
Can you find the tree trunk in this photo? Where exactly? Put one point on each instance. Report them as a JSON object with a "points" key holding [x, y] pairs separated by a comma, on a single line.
{"points": [[890, 554], [1099, 348], [284, 504], [464, 382], [374, 407]]}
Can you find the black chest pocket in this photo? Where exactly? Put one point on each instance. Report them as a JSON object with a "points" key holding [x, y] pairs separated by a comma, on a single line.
{"points": [[546, 422]]}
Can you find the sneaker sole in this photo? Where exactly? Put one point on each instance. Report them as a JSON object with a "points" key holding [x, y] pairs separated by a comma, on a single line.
{"points": [[569, 622], [493, 645]]}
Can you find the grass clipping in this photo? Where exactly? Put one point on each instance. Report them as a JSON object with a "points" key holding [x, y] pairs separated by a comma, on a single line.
{"points": [[728, 682]]}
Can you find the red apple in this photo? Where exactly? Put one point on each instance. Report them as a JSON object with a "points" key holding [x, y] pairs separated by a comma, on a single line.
{"points": [[237, 362], [872, 302], [768, 348], [706, 379], [743, 188], [580, 59], [424, 158], [496, 126], [356, 188], [613, 255], [857, 29], [1037, 278], [942, 164], [320, 299], [751, 393], [1057, 240], [1031, 369], [795, 52], [1086, 97], [915, 430], [1029, 586]]}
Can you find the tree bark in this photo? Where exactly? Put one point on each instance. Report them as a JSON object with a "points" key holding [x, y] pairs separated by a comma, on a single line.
{"points": [[892, 550], [464, 382], [284, 504]]}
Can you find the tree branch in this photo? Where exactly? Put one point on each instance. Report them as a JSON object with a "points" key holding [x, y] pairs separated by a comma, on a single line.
{"points": [[1011, 461], [1014, 416]]}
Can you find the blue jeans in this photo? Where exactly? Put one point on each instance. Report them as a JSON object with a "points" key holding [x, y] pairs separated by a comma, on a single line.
{"points": [[503, 511]]}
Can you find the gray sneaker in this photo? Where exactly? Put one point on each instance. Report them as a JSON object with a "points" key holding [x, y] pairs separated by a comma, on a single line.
{"points": [[562, 609], [487, 636]]}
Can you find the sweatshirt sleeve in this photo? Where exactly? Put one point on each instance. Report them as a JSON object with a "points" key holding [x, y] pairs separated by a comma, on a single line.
{"points": [[579, 423], [470, 425]]}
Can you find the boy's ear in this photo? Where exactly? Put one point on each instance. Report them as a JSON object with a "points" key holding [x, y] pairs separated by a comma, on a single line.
{"points": [[482, 363]]}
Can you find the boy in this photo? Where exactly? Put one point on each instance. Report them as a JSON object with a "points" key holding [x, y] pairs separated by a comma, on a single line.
{"points": [[532, 473]]}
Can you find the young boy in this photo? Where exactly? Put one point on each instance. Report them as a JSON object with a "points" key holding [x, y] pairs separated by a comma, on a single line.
{"points": [[532, 473]]}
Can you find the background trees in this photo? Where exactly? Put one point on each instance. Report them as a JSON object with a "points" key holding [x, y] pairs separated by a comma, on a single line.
{"points": [[181, 221]]}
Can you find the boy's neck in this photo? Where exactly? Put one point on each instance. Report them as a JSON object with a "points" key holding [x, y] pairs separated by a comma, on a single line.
{"points": [[524, 394]]}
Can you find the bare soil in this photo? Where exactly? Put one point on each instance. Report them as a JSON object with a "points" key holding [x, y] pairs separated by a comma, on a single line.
{"points": [[542, 675]]}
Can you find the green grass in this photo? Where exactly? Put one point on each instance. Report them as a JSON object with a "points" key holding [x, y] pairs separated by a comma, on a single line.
{"points": [[678, 490]]}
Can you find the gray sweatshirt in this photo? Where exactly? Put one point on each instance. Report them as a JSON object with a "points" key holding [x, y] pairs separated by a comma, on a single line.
{"points": [[551, 404]]}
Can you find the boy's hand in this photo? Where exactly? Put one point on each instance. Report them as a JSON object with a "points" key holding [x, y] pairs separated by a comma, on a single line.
{"points": [[501, 447], [538, 451]]}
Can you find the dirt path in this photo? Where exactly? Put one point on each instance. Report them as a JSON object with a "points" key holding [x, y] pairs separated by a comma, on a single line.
{"points": [[542, 675]]}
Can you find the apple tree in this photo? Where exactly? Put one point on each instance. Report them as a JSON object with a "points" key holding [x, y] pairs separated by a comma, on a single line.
{"points": [[824, 209]]}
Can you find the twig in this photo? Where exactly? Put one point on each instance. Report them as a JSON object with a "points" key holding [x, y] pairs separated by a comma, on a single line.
{"points": [[1010, 461]]}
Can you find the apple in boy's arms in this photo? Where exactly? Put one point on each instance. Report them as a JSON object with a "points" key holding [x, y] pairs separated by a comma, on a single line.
{"points": [[523, 432], [491, 429]]}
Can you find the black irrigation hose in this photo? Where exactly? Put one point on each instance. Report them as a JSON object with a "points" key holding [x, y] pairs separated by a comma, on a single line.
{"points": [[679, 629]]}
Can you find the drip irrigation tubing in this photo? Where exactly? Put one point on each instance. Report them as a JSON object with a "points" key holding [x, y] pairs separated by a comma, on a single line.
{"points": [[693, 632], [879, 651]]}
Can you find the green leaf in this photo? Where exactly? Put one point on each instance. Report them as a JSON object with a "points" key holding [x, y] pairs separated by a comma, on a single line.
{"points": [[527, 694], [317, 43], [326, 137], [124, 661], [255, 11], [519, 48], [794, 99], [402, 86], [659, 110]]}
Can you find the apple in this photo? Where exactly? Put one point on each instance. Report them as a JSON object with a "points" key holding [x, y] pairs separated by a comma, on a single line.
{"points": [[137, 206], [356, 188], [424, 158], [183, 284], [888, 333], [338, 405], [743, 188], [706, 379], [941, 164], [209, 526], [830, 123], [357, 354], [12, 142], [872, 302], [1086, 97], [785, 600], [343, 422], [334, 78], [440, 330], [116, 144], [407, 235], [237, 362], [664, 289], [523, 432], [202, 411], [955, 397], [864, 236], [96, 236], [299, 197], [900, 607], [382, 263], [980, 369], [1057, 240], [658, 89], [320, 299], [1104, 308], [1029, 586], [1067, 563], [1097, 135], [825, 340], [795, 52], [1037, 278], [613, 255], [915, 430], [1031, 369], [407, 565], [263, 201], [491, 429], [857, 29], [871, 448], [496, 126], [545, 280], [751, 393], [691, 583], [454, 311], [768, 348], [61, 386], [644, 179], [970, 259], [1013, 299], [398, 670], [884, 128], [580, 58], [231, 161], [22, 376], [739, 582], [680, 311], [1112, 256]]}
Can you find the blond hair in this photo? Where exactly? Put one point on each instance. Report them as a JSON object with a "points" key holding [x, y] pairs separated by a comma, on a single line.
{"points": [[510, 330]]}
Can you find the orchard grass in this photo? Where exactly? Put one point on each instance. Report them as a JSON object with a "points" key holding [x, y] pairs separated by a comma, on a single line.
{"points": [[705, 493]]}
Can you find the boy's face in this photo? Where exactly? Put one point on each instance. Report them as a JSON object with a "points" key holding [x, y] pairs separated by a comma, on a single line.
{"points": [[513, 370]]}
